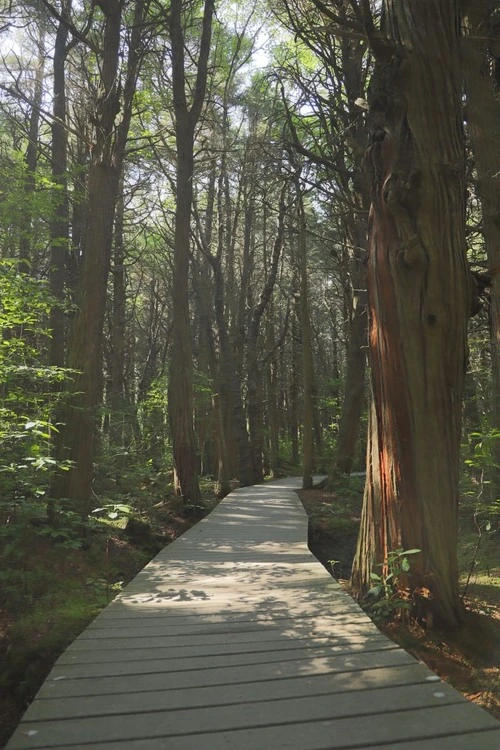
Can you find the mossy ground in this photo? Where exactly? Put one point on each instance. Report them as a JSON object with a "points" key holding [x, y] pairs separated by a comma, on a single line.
{"points": [[469, 657]]}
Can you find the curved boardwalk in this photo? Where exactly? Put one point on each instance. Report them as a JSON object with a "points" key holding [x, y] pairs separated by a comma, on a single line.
{"points": [[235, 637]]}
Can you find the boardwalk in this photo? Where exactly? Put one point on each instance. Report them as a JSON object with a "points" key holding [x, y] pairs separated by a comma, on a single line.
{"points": [[235, 637]]}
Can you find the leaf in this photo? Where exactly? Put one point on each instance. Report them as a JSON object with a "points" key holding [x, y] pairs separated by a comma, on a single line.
{"points": [[412, 551], [405, 565], [375, 577]]}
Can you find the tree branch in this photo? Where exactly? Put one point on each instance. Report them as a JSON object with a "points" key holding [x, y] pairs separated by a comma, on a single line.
{"points": [[71, 27]]}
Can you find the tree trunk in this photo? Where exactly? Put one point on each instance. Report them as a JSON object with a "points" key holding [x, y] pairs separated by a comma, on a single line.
{"points": [[77, 435], [293, 392], [59, 228], [180, 400], [307, 358], [118, 325], [76, 441], [419, 293], [229, 385], [272, 401], [180, 388], [31, 157], [353, 402], [254, 375]]}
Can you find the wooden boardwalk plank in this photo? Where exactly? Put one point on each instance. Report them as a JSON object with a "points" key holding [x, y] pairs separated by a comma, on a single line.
{"points": [[61, 685], [234, 717], [234, 636], [199, 650], [220, 695]]}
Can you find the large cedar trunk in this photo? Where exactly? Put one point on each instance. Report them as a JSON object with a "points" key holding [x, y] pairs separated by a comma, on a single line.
{"points": [[418, 301]]}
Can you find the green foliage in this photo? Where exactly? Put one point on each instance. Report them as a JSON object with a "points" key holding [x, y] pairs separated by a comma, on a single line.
{"points": [[30, 392], [387, 586], [476, 483]]}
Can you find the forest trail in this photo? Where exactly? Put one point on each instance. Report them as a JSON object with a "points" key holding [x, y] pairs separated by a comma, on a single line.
{"points": [[236, 637]]}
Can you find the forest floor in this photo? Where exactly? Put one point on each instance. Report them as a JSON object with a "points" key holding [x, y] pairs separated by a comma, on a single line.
{"points": [[51, 587], [468, 658]]}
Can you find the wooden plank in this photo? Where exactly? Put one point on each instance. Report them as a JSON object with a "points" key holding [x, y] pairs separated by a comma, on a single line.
{"points": [[480, 740], [285, 628], [327, 734], [70, 656], [244, 715], [250, 612], [228, 626], [488, 739], [203, 661], [219, 695], [64, 685], [251, 636]]}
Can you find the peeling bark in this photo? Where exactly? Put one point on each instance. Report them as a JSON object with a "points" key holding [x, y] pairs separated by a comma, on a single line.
{"points": [[418, 288]]}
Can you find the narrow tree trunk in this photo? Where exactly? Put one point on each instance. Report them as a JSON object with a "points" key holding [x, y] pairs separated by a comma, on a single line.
{"points": [[118, 325], [254, 375], [272, 402], [31, 157], [180, 401], [418, 289], [180, 388], [353, 402], [293, 394], [229, 385], [307, 358], [59, 228]]}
